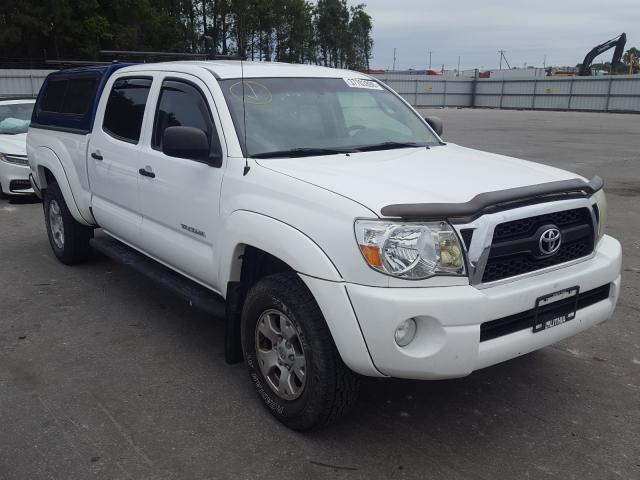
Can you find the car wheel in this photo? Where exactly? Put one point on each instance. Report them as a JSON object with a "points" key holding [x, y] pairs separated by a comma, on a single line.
{"points": [[292, 359], [68, 238]]}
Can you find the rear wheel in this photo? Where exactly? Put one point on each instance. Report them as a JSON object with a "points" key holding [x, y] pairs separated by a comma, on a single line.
{"points": [[68, 238], [292, 359]]}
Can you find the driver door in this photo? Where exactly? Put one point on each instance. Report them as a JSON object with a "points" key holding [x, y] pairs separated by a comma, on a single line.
{"points": [[180, 197]]}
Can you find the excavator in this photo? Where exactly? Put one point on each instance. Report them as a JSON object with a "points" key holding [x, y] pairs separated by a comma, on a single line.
{"points": [[616, 62]]}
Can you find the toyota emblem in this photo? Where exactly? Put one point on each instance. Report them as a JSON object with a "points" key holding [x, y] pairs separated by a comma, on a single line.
{"points": [[550, 240]]}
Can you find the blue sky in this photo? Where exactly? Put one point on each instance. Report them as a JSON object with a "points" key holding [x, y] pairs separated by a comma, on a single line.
{"points": [[563, 30]]}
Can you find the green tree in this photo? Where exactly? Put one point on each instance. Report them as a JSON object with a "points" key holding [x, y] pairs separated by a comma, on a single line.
{"points": [[284, 30], [626, 58], [361, 42], [61, 27], [332, 27]]}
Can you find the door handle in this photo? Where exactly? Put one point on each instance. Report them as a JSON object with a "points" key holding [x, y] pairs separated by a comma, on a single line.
{"points": [[146, 173], [96, 155]]}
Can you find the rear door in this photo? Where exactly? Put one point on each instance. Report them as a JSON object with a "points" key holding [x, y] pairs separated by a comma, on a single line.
{"points": [[180, 201], [113, 151]]}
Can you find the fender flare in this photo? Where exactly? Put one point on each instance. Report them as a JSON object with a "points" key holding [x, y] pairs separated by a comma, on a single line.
{"points": [[248, 228], [290, 245], [47, 158]]}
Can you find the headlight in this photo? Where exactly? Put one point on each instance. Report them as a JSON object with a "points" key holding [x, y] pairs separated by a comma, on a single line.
{"points": [[601, 203], [410, 250], [14, 159]]}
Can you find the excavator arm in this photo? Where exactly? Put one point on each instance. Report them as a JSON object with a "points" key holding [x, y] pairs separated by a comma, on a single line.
{"points": [[618, 42]]}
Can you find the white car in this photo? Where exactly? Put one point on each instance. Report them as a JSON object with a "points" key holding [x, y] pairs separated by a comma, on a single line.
{"points": [[331, 225], [15, 116]]}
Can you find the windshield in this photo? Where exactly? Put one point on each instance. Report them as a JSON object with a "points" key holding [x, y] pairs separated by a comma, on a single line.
{"points": [[320, 116], [15, 118]]}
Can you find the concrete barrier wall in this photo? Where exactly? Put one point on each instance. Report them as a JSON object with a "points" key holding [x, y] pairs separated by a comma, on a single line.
{"points": [[617, 93], [21, 83]]}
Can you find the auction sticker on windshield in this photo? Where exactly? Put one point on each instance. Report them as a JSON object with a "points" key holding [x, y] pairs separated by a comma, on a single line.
{"points": [[362, 83]]}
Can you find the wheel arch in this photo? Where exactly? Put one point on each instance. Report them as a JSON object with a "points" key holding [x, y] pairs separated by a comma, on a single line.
{"points": [[49, 169], [247, 231], [254, 246]]}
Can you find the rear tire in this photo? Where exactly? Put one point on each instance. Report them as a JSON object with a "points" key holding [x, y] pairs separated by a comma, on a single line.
{"points": [[284, 333], [68, 238]]}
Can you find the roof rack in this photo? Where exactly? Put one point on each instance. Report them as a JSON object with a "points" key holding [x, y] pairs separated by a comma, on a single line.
{"points": [[145, 56], [76, 63]]}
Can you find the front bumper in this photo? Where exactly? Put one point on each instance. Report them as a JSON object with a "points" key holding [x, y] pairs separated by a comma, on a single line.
{"points": [[448, 344], [14, 179]]}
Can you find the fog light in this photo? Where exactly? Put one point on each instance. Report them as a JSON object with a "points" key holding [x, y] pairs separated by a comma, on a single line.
{"points": [[406, 332]]}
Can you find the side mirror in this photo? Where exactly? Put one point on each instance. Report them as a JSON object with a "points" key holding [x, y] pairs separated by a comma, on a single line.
{"points": [[435, 123], [189, 142]]}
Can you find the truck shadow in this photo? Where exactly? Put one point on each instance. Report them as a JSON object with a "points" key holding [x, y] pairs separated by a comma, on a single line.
{"points": [[24, 200]]}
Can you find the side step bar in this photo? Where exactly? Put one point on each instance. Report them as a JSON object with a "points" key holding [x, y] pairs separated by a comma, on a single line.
{"points": [[194, 293]]}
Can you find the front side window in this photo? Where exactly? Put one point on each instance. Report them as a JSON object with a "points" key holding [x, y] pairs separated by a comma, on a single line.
{"points": [[125, 108], [181, 105], [295, 116], [15, 118]]}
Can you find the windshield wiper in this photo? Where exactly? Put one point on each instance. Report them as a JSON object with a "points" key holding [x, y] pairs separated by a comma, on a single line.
{"points": [[390, 145], [303, 152]]}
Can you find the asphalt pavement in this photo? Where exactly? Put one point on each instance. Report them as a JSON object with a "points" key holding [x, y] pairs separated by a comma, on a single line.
{"points": [[104, 375]]}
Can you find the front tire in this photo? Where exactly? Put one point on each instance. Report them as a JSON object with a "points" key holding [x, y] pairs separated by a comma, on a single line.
{"points": [[68, 238], [292, 359]]}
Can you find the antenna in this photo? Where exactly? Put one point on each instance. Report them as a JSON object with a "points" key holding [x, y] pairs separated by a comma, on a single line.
{"points": [[244, 110]]}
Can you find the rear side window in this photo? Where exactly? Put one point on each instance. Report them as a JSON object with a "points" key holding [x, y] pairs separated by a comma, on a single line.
{"points": [[71, 95], [54, 96], [80, 95], [125, 108], [182, 105]]}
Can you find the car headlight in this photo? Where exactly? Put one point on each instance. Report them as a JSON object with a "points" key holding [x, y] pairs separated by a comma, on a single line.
{"points": [[14, 159], [413, 251], [601, 204]]}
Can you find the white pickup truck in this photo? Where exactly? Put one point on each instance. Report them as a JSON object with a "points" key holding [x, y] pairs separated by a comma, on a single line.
{"points": [[343, 236]]}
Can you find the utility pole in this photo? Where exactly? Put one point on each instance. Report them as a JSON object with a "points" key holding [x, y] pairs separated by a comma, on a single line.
{"points": [[544, 62], [394, 59], [458, 71], [430, 52], [502, 55]]}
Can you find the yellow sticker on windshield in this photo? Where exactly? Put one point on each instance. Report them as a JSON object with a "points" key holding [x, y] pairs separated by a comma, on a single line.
{"points": [[255, 93]]}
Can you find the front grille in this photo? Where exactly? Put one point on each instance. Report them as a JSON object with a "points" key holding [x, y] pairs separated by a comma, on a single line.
{"points": [[526, 226], [523, 320], [18, 185], [514, 248]]}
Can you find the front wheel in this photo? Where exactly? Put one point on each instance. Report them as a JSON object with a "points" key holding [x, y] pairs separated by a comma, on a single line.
{"points": [[292, 359], [69, 239]]}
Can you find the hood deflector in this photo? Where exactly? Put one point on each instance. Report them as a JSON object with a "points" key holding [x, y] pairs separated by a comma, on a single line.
{"points": [[494, 200]]}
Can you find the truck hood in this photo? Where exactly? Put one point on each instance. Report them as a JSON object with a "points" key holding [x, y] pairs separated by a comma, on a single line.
{"points": [[13, 144], [443, 174]]}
